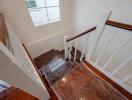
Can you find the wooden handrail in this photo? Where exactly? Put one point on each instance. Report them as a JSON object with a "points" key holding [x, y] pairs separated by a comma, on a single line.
{"points": [[83, 33], [119, 25], [109, 80], [108, 22]]}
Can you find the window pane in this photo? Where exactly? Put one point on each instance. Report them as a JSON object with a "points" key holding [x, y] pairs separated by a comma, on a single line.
{"points": [[52, 3], [43, 11], [28, 5], [31, 3], [39, 16], [40, 3], [53, 13]]}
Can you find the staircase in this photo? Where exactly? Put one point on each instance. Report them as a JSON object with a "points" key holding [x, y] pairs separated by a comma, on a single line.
{"points": [[66, 81], [53, 65], [109, 54], [93, 49]]}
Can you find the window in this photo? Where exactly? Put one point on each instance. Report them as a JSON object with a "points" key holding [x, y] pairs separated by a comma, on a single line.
{"points": [[43, 11], [31, 3]]}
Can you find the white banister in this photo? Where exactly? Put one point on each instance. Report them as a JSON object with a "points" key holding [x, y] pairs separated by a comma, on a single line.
{"points": [[66, 47], [69, 51], [84, 46], [117, 51], [105, 47], [75, 53], [99, 32], [125, 78], [121, 65]]}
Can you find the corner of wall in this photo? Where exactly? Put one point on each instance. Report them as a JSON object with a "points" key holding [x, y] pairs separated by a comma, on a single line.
{"points": [[45, 44]]}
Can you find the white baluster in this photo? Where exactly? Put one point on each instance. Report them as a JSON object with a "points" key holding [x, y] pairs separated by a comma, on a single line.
{"points": [[105, 47], [99, 31], [84, 46], [122, 65], [117, 51], [70, 49], [66, 47], [125, 78], [75, 53]]}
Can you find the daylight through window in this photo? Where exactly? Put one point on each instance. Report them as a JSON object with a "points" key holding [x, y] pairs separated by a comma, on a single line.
{"points": [[43, 11]]}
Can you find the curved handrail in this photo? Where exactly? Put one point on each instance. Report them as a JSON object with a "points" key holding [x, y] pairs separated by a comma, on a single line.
{"points": [[108, 22], [83, 33]]}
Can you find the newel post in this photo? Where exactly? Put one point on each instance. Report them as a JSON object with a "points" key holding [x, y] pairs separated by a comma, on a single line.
{"points": [[66, 47]]}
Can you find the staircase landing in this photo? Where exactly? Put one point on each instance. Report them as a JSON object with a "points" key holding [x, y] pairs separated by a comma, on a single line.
{"points": [[82, 84], [78, 83]]}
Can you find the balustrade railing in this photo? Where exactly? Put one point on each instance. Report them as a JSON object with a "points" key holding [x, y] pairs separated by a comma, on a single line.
{"points": [[71, 43]]}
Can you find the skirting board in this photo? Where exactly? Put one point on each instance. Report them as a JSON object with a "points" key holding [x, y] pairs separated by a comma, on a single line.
{"points": [[105, 76], [55, 41]]}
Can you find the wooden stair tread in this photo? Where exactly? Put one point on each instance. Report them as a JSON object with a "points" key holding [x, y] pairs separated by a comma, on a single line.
{"points": [[13, 93]]}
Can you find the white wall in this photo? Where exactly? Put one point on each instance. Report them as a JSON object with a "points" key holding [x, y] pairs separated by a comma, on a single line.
{"points": [[15, 65], [87, 12], [35, 38], [86, 15], [0, 9], [24, 64]]}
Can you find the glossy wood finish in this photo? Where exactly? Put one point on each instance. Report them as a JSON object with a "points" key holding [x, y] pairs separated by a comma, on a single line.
{"points": [[3, 31], [53, 76], [83, 33], [75, 86], [45, 82], [13, 93], [81, 84], [114, 84], [119, 25], [44, 60], [108, 22], [40, 75]]}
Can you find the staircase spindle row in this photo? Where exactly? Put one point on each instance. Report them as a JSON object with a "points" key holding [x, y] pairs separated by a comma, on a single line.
{"points": [[89, 54]]}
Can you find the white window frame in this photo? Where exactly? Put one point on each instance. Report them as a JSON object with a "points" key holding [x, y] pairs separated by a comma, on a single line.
{"points": [[46, 7], [30, 5]]}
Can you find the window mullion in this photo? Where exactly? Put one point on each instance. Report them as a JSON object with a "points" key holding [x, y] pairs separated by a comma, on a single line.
{"points": [[48, 14], [47, 11], [29, 4], [36, 3]]}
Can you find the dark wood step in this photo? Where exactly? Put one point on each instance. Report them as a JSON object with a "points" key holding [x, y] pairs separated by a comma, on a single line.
{"points": [[12, 93], [110, 81], [83, 84], [45, 58]]}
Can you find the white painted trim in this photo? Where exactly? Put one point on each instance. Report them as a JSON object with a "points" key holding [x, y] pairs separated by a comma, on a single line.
{"points": [[66, 47], [105, 47], [75, 53], [121, 65], [101, 77], [114, 78], [117, 51], [126, 78], [99, 31], [70, 49], [6, 55], [40, 46], [84, 47], [48, 37]]}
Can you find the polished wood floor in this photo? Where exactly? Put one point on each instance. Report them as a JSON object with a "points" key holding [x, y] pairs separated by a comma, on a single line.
{"points": [[13, 93], [44, 60], [78, 83], [104, 77], [82, 84]]}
